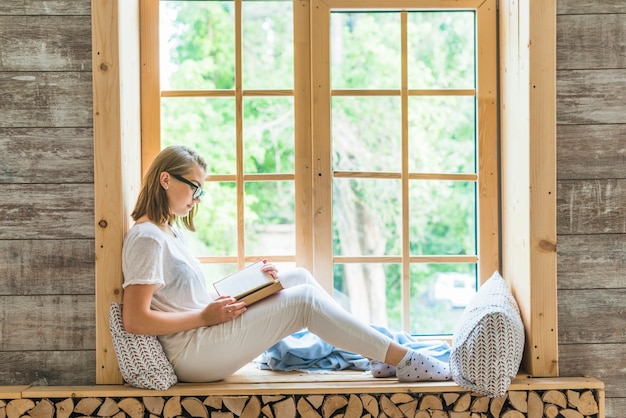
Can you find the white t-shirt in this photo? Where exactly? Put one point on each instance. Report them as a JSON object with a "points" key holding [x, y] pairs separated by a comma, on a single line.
{"points": [[150, 256]]}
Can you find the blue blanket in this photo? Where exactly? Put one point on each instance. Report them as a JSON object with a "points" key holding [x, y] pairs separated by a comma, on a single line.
{"points": [[305, 351]]}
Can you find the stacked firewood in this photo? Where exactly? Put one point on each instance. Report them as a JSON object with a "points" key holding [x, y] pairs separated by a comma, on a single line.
{"points": [[515, 404]]}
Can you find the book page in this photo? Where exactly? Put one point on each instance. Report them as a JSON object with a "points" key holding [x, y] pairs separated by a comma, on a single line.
{"points": [[243, 281]]}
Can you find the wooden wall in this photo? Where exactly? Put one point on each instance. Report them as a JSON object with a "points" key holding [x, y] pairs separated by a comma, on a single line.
{"points": [[591, 205], [47, 256], [47, 332]]}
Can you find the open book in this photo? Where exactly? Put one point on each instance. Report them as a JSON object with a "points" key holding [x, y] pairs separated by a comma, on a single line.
{"points": [[248, 285]]}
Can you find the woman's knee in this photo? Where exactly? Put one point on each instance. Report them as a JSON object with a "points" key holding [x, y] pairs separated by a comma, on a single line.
{"points": [[298, 275]]}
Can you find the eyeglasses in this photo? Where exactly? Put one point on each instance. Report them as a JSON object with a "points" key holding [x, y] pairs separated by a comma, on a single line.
{"points": [[197, 191]]}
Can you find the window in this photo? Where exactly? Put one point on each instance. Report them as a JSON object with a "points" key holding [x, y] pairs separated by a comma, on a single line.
{"points": [[528, 172], [398, 153]]}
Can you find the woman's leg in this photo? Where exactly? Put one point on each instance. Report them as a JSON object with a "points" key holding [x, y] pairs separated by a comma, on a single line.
{"points": [[216, 352]]}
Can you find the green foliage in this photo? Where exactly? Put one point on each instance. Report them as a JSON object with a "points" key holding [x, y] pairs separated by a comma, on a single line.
{"points": [[366, 131]]}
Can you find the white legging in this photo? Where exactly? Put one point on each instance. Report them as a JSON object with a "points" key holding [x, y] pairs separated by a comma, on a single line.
{"points": [[216, 352]]}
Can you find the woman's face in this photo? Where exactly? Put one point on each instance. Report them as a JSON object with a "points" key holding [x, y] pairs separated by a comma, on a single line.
{"points": [[180, 194]]}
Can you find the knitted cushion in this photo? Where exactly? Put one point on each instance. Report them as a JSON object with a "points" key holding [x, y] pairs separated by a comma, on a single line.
{"points": [[141, 358], [488, 342]]}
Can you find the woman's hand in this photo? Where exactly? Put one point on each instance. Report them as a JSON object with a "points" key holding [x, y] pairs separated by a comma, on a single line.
{"points": [[270, 269], [223, 309]]}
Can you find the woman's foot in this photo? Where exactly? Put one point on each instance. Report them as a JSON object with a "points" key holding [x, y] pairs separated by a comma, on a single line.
{"points": [[380, 369], [417, 367]]}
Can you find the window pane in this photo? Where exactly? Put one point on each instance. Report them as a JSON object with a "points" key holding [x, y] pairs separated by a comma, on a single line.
{"points": [[365, 50], [269, 218], [268, 135], [216, 221], [439, 293], [366, 217], [197, 45], [442, 218], [207, 125], [267, 56], [366, 133], [442, 135], [441, 51], [363, 288]]}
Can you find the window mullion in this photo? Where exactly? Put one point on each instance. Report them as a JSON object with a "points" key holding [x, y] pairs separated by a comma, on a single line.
{"points": [[241, 253], [404, 97]]}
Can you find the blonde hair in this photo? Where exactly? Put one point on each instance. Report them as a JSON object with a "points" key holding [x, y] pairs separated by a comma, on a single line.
{"points": [[152, 201]]}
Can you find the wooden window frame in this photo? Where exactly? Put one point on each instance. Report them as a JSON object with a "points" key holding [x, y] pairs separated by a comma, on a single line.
{"points": [[527, 163]]}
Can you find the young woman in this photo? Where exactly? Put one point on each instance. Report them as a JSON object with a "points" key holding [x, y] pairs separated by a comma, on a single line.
{"points": [[207, 339]]}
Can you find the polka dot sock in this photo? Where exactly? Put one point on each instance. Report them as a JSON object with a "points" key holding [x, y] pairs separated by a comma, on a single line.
{"points": [[419, 367], [380, 369]]}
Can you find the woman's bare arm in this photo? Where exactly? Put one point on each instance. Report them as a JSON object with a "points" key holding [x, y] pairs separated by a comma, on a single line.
{"points": [[139, 318]]}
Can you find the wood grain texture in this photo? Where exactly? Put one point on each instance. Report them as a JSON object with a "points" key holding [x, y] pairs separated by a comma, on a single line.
{"points": [[48, 43], [56, 322], [615, 406], [40, 367], [591, 151], [591, 261], [47, 267], [46, 211], [592, 316], [45, 7], [45, 99], [591, 206], [602, 361], [46, 155], [590, 7], [591, 96], [591, 41]]}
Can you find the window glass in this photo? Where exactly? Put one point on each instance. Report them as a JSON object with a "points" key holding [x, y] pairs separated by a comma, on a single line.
{"points": [[442, 134], [205, 124], [268, 135], [366, 217], [269, 218], [267, 57], [439, 294], [197, 45], [360, 42], [366, 133], [441, 50]]}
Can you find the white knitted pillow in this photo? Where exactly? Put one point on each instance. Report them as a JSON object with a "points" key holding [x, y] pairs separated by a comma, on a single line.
{"points": [[488, 342], [141, 358]]}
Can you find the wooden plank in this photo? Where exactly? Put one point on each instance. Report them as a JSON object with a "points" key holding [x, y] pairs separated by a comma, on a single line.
{"points": [[12, 392], [591, 41], [46, 211], [487, 115], [591, 261], [528, 172], [590, 7], [48, 99], [46, 155], [33, 267], [302, 124], [321, 144], [591, 96], [45, 43], [56, 322], [316, 384], [600, 360], [150, 83], [35, 367], [591, 206], [591, 151], [592, 315], [615, 406], [45, 7], [117, 173]]}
